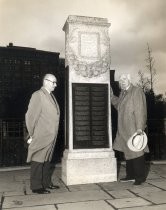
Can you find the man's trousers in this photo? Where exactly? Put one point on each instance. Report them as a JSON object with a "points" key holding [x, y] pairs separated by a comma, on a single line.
{"points": [[40, 175], [135, 169]]}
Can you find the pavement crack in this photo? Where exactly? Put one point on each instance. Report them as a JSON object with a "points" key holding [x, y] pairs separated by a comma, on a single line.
{"points": [[56, 206], [110, 205], [2, 200], [102, 188], [156, 186], [24, 188], [65, 185]]}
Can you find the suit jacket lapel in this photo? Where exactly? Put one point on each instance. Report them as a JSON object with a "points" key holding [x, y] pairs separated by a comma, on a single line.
{"points": [[124, 93], [48, 95], [52, 98]]}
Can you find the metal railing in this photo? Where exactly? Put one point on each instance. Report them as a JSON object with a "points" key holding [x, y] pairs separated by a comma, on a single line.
{"points": [[157, 139], [13, 147]]}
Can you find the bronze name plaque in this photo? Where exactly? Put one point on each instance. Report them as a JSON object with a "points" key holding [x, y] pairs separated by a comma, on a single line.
{"points": [[90, 115]]}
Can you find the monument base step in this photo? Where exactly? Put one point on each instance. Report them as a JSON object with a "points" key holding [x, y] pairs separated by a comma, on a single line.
{"points": [[86, 167]]}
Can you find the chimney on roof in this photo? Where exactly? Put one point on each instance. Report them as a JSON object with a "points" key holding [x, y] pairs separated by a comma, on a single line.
{"points": [[10, 44]]}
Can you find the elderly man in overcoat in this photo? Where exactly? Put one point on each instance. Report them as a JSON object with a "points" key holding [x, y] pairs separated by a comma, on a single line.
{"points": [[132, 117], [42, 121]]}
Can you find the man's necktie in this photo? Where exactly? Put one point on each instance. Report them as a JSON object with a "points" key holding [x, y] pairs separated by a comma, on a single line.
{"points": [[55, 102]]}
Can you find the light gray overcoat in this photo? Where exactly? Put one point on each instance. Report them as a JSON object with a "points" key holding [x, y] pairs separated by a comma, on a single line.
{"points": [[132, 115], [42, 121]]}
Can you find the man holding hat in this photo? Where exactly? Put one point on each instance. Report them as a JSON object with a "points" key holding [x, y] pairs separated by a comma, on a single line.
{"points": [[130, 138]]}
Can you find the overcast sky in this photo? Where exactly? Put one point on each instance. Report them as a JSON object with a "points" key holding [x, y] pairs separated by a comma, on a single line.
{"points": [[134, 23]]}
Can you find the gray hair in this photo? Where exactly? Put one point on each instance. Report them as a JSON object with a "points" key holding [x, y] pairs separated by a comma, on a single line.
{"points": [[128, 76], [47, 76]]}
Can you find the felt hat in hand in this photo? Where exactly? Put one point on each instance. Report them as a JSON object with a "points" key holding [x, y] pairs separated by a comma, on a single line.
{"points": [[137, 142]]}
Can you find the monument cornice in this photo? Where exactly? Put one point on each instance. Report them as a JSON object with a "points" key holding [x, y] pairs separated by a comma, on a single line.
{"points": [[87, 21]]}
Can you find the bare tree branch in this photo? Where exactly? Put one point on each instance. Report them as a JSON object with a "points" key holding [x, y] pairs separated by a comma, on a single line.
{"points": [[150, 67], [147, 82]]}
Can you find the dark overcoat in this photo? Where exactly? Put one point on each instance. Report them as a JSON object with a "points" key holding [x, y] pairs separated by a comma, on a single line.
{"points": [[42, 121], [132, 115]]}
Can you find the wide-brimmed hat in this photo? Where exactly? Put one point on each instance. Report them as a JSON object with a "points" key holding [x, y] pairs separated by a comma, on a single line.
{"points": [[137, 142]]}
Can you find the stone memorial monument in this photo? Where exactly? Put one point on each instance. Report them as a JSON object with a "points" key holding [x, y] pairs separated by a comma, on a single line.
{"points": [[88, 156]]}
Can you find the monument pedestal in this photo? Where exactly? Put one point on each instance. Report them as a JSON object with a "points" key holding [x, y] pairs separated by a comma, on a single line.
{"points": [[88, 157], [83, 167]]}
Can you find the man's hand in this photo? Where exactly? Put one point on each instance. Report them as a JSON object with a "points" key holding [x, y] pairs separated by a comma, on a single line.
{"points": [[139, 132], [111, 92], [29, 140]]}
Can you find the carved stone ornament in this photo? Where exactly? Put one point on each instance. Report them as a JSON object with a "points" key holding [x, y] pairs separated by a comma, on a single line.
{"points": [[88, 69], [81, 66]]}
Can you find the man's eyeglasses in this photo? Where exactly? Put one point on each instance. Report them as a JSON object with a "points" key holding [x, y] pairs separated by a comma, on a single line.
{"points": [[53, 82]]}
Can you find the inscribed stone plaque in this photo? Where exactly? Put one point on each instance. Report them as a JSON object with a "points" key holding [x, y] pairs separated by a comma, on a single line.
{"points": [[90, 115], [89, 45]]}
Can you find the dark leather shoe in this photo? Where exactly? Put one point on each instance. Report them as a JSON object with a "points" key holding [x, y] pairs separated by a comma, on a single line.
{"points": [[53, 187], [41, 191], [137, 183]]}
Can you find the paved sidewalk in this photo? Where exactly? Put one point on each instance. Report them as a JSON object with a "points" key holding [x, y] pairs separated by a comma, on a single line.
{"points": [[16, 195]]}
